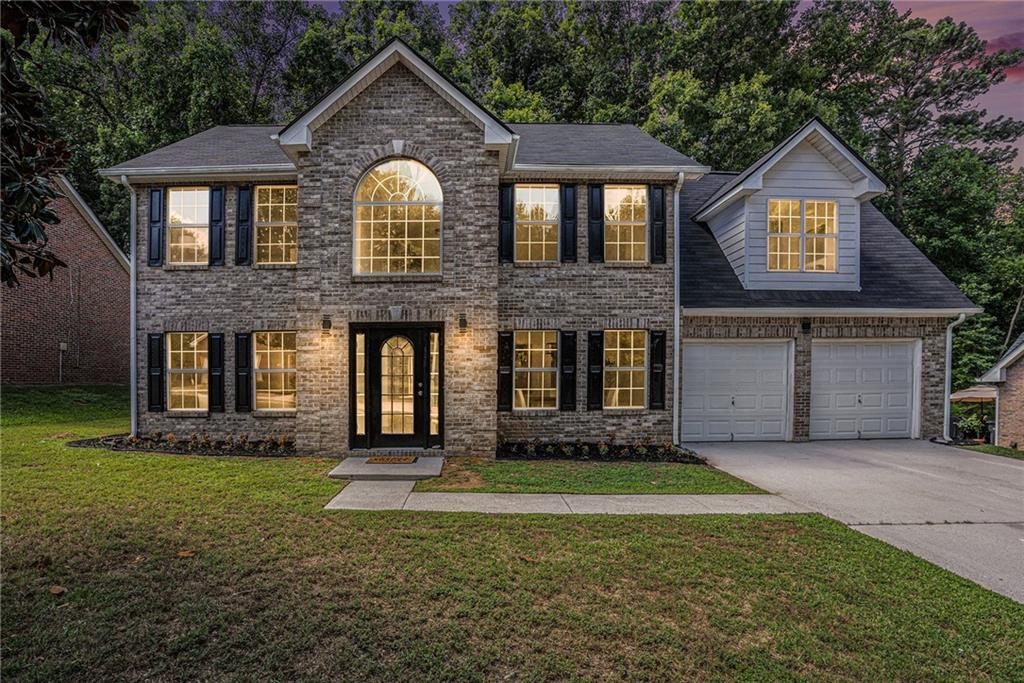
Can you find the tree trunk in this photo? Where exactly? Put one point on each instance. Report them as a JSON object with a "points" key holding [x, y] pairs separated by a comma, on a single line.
{"points": [[1013, 321]]}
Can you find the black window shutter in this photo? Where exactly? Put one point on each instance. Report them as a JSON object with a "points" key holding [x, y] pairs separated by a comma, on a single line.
{"points": [[656, 396], [506, 224], [505, 351], [215, 388], [595, 223], [243, 226], [568, 227], [243, 372], [656, 201], [595, 370], [567, 370], [155, 374], [216, 226], [156, 226]]}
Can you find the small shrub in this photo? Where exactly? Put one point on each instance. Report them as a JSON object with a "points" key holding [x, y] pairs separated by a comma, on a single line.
{"points": [[639, 451]]}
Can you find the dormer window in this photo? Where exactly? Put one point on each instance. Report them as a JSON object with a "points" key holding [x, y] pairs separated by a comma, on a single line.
{"points": [[802, 235]]}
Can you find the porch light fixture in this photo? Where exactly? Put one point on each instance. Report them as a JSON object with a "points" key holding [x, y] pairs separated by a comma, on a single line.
{"points": [[805, 325], [463, 323], [325, 324]]}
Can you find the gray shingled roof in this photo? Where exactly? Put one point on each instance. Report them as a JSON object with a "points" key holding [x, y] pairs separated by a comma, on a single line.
{"points": [[244, 146], [593, 144], [894, 273]]}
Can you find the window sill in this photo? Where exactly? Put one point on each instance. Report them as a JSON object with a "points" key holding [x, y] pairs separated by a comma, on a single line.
{"points": [[537, 264], [397, 277], [631, 264], [273, 413], [625, 411], [186, 266], [537, 412], [187, 413], [275, 266]]}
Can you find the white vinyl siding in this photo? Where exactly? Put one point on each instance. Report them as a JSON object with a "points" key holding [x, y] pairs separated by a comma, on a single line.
{"points": [[807, 174]]}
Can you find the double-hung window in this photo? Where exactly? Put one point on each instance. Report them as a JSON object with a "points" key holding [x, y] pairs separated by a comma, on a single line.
{"points": [[277, 224], [625, 368], [275, 370], [536, 222], [188, 372], [535, 379], [625, 221], [188, 216], [802, 235]]}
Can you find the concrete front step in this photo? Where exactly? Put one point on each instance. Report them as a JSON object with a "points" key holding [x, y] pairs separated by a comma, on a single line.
{"points": [[356, 468]]}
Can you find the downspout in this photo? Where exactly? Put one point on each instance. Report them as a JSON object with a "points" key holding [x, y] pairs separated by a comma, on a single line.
{"points": [[132, 344], [949, 376], [677, 302]]}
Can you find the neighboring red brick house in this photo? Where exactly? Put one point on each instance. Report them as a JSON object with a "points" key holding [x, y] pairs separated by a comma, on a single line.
{"points": [[1008, 376], [72, 329]]}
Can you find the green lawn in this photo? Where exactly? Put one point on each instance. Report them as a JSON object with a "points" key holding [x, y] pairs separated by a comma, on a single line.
{"points": [[122, 566], [582, 477], [996, 450]]}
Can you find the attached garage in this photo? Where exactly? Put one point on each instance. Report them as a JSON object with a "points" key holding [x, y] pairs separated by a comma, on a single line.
{"points": [[864, 389], [736, 391]]}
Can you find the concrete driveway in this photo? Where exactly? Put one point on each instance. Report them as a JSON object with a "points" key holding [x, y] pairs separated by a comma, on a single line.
{"points": [[961, 510]]}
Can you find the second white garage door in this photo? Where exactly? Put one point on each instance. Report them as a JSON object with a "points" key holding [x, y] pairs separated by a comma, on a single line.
{"points": [[735, 391], [862, 390]]}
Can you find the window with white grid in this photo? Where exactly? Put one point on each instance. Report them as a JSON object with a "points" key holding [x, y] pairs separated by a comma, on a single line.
{"points": [[820, 227], [625, 223], [535, 381], [187, 371], [536, 222], [625, 368], [188, 231], [784, 234], [277, 232], [275, 370], [398, 219]]}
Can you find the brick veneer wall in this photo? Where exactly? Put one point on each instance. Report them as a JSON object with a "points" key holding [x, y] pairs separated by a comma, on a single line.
{"points": [[585, 296], [84, 306], [1011, 407], [931, 332]]}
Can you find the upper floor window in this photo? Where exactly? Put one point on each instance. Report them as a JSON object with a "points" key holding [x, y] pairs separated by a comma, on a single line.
{"points": [[625, 368], [536, 222], [802, 235], [625, 221], [398, 219], [188, 371], [275, 370], [535, 381], [188, 215], [277, 224]]}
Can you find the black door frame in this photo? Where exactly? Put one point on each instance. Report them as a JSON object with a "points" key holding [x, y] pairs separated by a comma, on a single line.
{"points": [[419, 335]]}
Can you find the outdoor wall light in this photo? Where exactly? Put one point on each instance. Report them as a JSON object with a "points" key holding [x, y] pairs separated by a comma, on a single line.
{"points": [[805, 325], [325, 324], [463, 323]]}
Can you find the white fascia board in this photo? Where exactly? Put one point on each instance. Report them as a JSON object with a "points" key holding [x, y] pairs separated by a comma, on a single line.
{"points": [[998, 371], [298, 135], [767, 312], [576, 171], [178, 173], [94, 222], [740, 191]]}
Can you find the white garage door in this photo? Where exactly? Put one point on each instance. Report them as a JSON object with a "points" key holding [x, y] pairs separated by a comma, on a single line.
{"points": [[862, 390], [735, 391]]}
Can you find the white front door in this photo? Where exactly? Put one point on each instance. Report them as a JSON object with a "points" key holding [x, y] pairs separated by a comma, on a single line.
{"points": [[862, 390], [735, 391]]}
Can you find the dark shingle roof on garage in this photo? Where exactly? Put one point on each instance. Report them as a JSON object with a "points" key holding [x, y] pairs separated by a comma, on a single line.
{"points": [[894, 273], [220, 146], [593, 144]]}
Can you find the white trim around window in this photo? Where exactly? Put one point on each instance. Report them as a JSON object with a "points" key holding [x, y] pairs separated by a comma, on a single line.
{"points": [[274, 371], [188, 226], [625, 382], [802, 235], [535, 370], [536, 216], [188, 371]]}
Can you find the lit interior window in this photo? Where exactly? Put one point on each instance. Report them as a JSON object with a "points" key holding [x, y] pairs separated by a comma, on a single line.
{"points": [[625, 368], [188, 217], [187, 371], [275, 370], [625, 223], [277, 232], [535, 381], [802, 235], [536, 222]]}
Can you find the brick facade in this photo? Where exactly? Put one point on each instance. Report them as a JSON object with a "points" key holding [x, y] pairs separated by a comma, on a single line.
{"points": [[1011, 407], [85, 307], [931, 332]]}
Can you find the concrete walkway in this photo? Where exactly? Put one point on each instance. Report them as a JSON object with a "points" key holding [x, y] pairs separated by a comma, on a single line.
{"points": [[962, 510], [398, 495]]}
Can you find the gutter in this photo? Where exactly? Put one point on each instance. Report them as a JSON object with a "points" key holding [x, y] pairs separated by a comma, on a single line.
{"points": [[949, 376], [133, 368], [677, 371]]}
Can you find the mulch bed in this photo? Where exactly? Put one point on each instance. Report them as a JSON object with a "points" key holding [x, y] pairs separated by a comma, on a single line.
{"points": [[596, 452], [197, 446]]}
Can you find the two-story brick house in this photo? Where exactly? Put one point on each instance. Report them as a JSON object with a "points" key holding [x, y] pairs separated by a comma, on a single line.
{"points": [[397, 268]]}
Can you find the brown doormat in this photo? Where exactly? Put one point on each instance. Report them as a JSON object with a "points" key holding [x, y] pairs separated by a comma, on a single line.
{"points": [[390, 459]]}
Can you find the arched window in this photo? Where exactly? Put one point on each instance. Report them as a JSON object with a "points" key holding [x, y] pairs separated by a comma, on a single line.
{"points": [[398, 219], [396, 379]]}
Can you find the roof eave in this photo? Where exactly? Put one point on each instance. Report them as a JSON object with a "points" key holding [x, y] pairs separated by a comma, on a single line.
{"points": [[997, 373], [821, 312], [169, 173], [563, 170]]}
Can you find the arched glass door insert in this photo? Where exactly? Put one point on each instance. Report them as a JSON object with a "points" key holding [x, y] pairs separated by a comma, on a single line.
{"points": [[397, 393]]}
